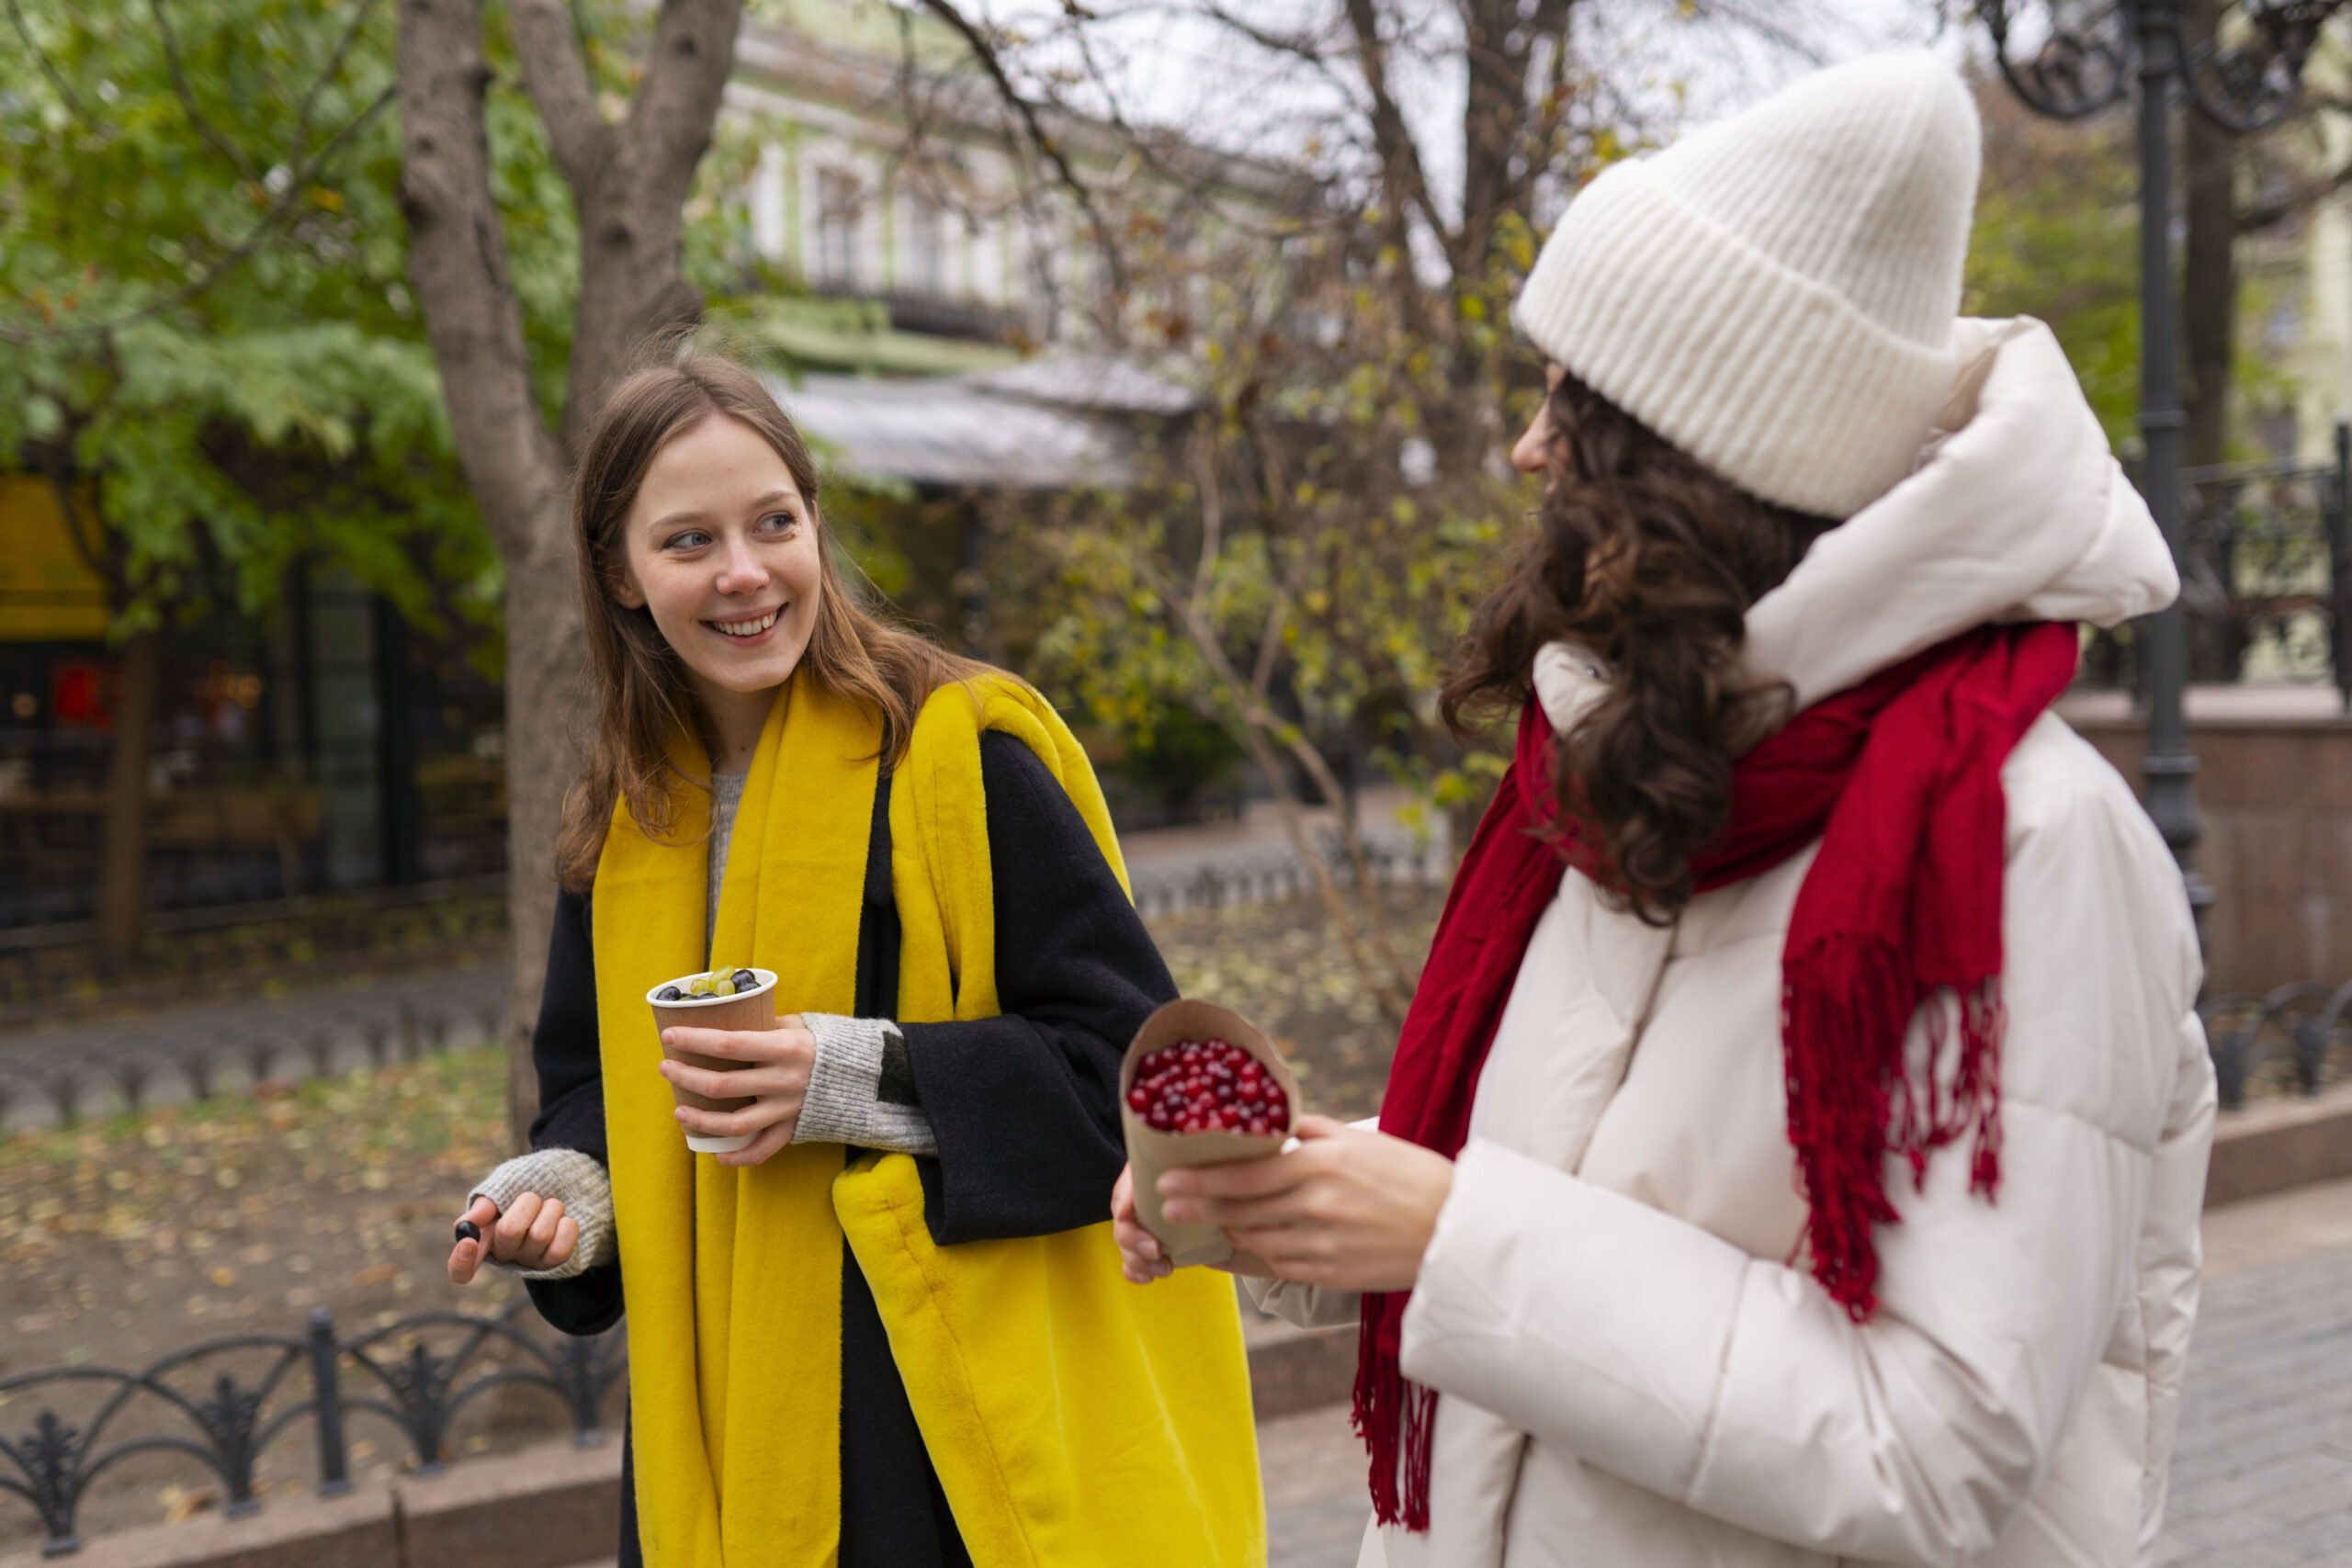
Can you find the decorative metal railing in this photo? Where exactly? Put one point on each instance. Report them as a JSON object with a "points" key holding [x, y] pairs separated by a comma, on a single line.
{"points": [[222, 1403], [86, 1070], [1262, 875], [2266, 576], [2294, 1039]]}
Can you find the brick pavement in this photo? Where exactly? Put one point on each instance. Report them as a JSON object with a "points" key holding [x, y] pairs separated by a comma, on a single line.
{"points": [[2262, 1475]]}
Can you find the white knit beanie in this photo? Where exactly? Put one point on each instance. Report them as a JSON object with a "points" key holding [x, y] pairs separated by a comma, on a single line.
{"points": [[1775, 293]]}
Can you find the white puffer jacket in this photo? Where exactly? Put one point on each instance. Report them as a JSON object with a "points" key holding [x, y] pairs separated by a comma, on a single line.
{"points": [[1632, 1370]]}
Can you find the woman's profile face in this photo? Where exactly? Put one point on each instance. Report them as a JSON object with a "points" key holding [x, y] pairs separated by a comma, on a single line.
{"points": [[1531, 453], [722, 548]]}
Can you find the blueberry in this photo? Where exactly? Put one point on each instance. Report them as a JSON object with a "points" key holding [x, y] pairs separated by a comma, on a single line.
{"points": [[468, 1231], [746, 981], [669, 994]]}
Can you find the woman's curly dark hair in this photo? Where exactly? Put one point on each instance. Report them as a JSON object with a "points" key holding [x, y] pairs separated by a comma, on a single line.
{"points": [[1650, 561]]}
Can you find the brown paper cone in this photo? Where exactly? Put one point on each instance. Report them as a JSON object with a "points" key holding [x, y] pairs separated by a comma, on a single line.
{"points": [[747, 1011], [1151, 1152]]}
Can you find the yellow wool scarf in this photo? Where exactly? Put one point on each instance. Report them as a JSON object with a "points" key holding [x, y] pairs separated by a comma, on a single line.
{"points": [[1074, 1419]]}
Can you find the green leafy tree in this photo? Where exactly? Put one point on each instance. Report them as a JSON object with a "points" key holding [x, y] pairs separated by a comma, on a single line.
{"points": [[209, 348]]}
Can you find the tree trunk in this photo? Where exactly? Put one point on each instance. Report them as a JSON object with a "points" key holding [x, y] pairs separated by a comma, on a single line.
{"points": [[544, 691], [629, 184], [122, 878]]}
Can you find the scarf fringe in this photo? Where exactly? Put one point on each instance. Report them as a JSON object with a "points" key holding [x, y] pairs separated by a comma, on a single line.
{"points": [[1850, 998], [1395, 1417]]}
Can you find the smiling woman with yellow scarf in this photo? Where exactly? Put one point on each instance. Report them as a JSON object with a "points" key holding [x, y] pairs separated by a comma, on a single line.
{"points": [[889, 1332]]}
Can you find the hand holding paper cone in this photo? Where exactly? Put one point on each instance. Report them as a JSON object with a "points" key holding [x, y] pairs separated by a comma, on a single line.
{"points": [[1219, 1132]]}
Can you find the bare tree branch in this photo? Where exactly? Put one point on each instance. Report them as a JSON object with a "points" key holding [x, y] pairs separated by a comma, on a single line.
{"points": [[2302, 198], [1405, 187], [556, 79], [632, 214], [1259, 727], [1212, 516], [1298, 46], [984, 50], [49, 67], [212, 136], [332, 68]]}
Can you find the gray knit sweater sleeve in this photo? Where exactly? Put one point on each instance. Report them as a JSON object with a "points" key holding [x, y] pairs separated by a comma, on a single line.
{"points": [[580, 1183], [862, 1088]]}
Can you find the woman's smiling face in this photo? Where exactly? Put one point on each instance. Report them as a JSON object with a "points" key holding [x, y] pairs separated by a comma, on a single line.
{"points": [[722, 548]]}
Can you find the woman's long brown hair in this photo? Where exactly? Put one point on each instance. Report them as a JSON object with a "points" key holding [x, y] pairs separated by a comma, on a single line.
{"points": [[1650, 560], [642, 697]]}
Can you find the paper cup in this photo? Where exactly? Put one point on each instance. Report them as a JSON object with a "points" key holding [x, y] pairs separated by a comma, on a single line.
{"points": [[744, 1011], [1151, 1152]]}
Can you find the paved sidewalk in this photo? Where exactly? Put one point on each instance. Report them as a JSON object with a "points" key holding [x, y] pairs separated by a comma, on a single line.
{"points": [[2262, 1475]]}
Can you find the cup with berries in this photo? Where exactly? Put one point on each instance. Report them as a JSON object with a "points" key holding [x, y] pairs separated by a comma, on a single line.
{"points": [[1200, 1084], [732, 997]]}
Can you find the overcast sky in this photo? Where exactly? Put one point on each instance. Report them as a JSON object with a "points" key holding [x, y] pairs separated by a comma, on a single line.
{"points": [[1168, 65]]}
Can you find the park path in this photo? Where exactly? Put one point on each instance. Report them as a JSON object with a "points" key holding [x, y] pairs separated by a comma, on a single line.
{"points": [[2261, 1476]]}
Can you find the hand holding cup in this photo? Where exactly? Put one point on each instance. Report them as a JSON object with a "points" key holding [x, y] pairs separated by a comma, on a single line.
{"points": [[751, 1084]]}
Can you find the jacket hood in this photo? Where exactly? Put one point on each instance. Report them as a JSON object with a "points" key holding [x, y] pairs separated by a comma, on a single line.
{"points": [[2016, 511]]}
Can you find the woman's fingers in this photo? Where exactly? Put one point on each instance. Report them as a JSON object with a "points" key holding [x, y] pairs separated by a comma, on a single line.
{"points": [[1252, 1178], [1140, 1254], [505, 1237], [464, 1257], [534, 1233], [769, 1110], [762, 1148], [743, 1084], [541, 1235], [1290, 1206], [778, 1044]]}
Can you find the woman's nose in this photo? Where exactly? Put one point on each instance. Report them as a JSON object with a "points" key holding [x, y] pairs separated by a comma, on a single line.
{"points": [[743, 573], [1531, 453]]}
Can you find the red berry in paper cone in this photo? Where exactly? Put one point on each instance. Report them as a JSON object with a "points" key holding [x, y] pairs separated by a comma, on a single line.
{"points": [[1208, 1086]]}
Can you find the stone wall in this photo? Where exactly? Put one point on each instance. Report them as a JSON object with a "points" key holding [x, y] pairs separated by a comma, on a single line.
{"points": [[2275, 784]]}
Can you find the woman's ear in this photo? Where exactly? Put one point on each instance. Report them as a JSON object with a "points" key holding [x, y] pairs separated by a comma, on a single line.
{"points": [[625, 590]]}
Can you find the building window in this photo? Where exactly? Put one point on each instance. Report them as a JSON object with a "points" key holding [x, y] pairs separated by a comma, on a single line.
{"points": [[840, 206], [926, 246]]}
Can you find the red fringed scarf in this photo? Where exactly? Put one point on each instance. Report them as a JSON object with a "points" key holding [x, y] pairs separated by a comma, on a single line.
{"points": [[1900, 778]]}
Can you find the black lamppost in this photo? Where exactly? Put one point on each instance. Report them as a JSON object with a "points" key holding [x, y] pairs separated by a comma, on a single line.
{"points": [[2084, 55]]}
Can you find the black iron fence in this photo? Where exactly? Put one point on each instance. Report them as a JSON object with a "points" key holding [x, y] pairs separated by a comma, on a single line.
{"points": [[1223, 882], [2293, 1039], [2266, 576], [220, 1404]]}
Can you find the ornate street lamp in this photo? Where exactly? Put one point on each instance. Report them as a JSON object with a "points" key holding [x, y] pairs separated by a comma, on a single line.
{"points": [[2085, 54]]}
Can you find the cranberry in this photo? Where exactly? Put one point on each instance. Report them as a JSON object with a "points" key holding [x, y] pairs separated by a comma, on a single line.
{"points": [[1197, 1085]]}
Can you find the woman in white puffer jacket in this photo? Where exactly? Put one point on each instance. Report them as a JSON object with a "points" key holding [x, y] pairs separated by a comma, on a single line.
{"points": [[1795, 1150]]}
